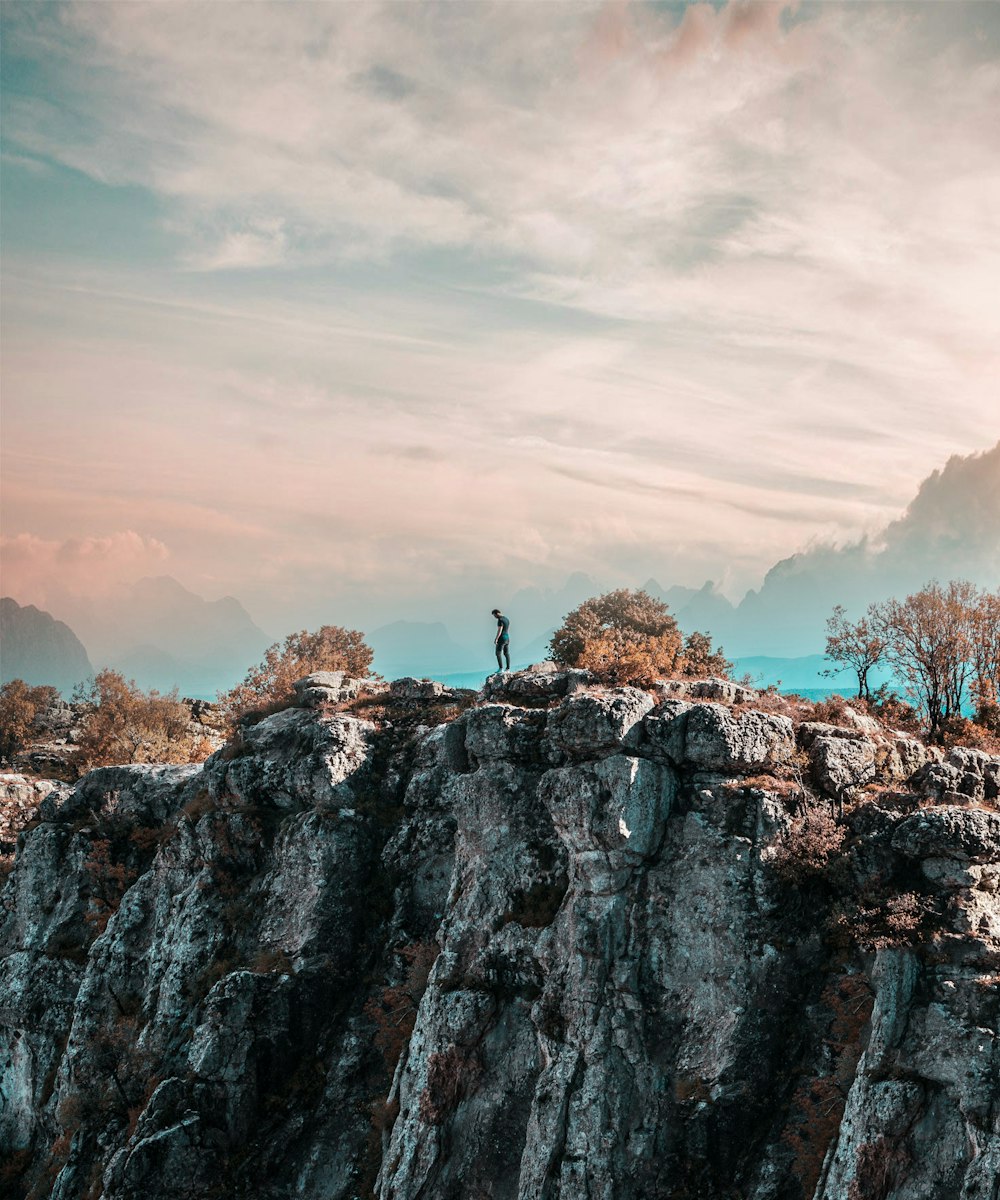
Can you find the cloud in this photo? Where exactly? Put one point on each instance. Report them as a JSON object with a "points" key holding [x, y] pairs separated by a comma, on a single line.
{"points": [[36, 568], [492, 288], [261, 243]]}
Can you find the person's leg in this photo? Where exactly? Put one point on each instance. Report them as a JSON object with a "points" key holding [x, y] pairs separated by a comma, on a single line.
{"points": [[499, 660], [506, 653]]}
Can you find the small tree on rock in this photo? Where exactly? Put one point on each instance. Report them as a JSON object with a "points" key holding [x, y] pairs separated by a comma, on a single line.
{"points": [[930, 647], [330, 648], [985, 629], [702, 659]]}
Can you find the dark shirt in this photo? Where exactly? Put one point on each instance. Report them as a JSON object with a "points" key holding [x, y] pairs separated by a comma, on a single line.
{"points": [[503, 624]]}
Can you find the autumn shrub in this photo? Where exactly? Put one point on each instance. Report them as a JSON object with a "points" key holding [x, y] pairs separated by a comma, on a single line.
{"points": [[815, 1113], [330, 648], [394, 1010], [879, 921], [148, 838], [19, 705], [267, 962], [451, 1074], [630, 637], [701, 659], [109, 880], [783, 704], [818, 1102], [833, 710], [809, 848], [961, 731], [123, 724], [988, 717], [878, 1166], [892, 710]]}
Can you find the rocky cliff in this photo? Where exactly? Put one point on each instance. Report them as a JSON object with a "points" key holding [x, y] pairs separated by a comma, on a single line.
{"points": [[550, 942]]}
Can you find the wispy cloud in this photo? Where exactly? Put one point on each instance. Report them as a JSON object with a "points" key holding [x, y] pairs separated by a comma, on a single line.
{"points": [[439, 269], [92, 565]]}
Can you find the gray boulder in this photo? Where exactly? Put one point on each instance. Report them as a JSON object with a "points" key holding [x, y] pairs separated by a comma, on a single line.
{"points": [[840, 764], [719, 739], [592, 724]]}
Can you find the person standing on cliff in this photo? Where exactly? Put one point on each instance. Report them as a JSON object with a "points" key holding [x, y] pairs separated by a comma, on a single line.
{"points": [[502, 643]]}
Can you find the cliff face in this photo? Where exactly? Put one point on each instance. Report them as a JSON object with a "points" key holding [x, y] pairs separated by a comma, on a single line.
{"points": [[561, 943]]}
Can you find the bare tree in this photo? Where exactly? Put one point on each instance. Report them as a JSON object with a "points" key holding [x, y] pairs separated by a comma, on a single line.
{"points": [[860, 644], [986, 657], [930, 640]]}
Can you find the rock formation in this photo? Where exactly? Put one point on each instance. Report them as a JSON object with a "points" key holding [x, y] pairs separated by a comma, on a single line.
{"points": [[551, 943]]}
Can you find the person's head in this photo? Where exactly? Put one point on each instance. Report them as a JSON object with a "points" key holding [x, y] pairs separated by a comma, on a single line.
{"points": [[496, 612]]}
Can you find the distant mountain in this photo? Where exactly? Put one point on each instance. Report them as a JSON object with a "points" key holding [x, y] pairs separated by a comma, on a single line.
{"points": [[163, 635], [417, 648], [950, 530], [704, 609], [37, 648], [534, 610]]}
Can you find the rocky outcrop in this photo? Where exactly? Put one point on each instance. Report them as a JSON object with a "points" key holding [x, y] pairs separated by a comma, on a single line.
{"points": [[560, 942], [20, 797]]}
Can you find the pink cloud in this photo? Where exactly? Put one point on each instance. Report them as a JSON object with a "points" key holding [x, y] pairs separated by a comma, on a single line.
{"points": [[35, 568]]}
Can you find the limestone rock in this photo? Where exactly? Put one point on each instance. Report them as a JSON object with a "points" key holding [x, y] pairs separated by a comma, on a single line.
{"points": [[591, 724], [972, 835], [327, 687], [723, 691], [718, 739], [841, 764], [416, 689], [544, 681], [540, 949], [20, 797]]}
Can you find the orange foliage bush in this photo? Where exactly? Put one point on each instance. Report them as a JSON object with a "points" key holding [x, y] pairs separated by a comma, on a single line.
{"points": [[451, 1073], [394, 1011], [809, 848], [630, 637], [19, 704], [123, 724], [818, 1103], [330, 648]]}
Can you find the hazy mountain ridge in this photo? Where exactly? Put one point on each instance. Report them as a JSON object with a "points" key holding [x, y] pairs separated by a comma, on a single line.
{"points": [[163, 634], [37, 648]]}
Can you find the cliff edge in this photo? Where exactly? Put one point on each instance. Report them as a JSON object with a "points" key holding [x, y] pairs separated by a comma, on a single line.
{"points": [[551, 942]]}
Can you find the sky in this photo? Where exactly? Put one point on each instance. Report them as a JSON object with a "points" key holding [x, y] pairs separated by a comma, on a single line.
{"points": [[362, 311]]}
